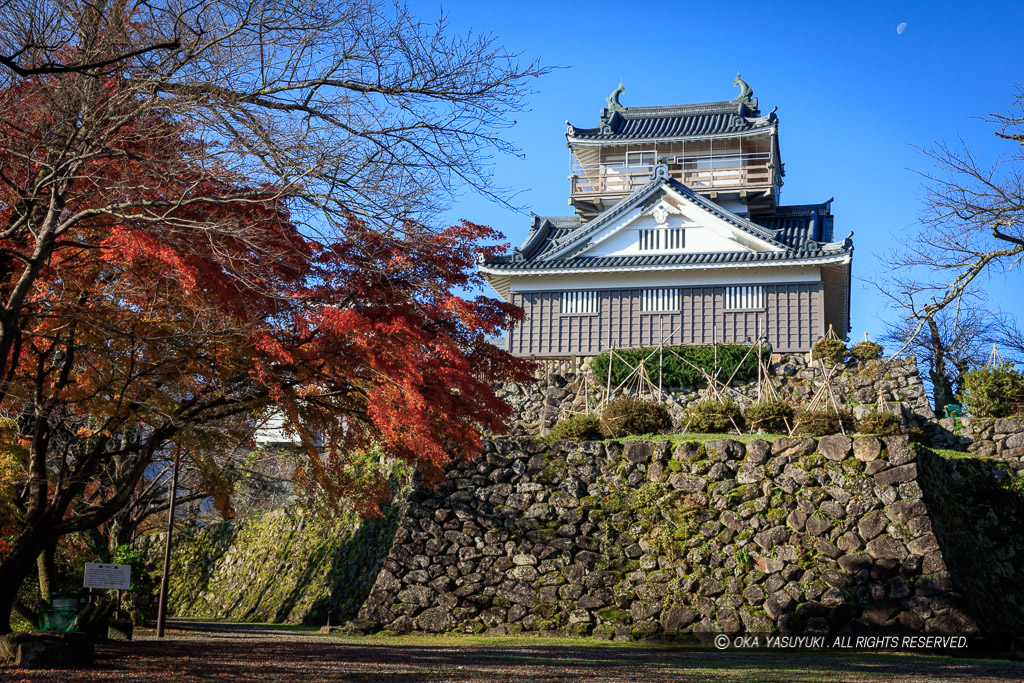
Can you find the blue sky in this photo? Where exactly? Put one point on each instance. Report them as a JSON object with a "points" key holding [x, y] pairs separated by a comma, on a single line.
{"points": [[854, 97]]}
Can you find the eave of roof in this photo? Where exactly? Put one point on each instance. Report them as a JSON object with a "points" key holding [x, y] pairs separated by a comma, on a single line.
{"points": [[673, 122], [544, 230], [793, 223], [685, 261]]}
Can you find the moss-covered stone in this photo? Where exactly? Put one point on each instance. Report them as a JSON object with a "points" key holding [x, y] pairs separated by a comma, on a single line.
{"points": [[614, 614], [286, 566]]}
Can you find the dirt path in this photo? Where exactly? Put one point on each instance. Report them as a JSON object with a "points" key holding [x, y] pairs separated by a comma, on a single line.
{"points": [[203, 651]]}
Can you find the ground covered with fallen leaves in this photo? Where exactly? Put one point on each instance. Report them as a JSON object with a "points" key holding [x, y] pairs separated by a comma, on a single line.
{"points": [[203, 651]]}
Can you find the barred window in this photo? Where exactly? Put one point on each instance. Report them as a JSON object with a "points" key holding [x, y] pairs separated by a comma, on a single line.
{"points": [[580, 302], [738, 297], [657, 239], [659, 300]]}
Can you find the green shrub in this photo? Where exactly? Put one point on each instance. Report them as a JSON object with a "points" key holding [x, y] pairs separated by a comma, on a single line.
{"points": [[675, 372], [713, 417], [866, 350], [576, 428], [880, 422], [822, 422], [141, 600], [993, 391], [771, 416], [830, 350], [627, 415]]}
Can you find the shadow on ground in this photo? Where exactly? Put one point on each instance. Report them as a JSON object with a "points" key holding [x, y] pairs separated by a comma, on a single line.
{"points": [[249, 652]]}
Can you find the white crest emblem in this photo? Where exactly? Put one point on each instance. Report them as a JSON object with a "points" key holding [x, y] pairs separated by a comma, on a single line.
{"points": [[660, 214]]}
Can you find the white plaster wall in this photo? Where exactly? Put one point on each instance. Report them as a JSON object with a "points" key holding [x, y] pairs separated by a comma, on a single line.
{"points": [[754, 275], [736, 206], [698, 239], [705, 232]]}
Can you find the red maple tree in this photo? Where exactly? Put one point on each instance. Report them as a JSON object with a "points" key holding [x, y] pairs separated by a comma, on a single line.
{"points": [[148, 296]]}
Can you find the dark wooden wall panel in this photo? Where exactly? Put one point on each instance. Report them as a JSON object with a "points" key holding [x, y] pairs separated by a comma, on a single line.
{"points": [[793, 319]]}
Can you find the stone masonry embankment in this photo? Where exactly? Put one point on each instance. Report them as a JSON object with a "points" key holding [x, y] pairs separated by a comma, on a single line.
{"points": [[284, 566], [1001, 438], [562, 388], [649, 539]]}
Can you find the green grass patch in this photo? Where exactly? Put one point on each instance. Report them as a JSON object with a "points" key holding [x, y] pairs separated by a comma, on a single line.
{"points": [[951, 453]]}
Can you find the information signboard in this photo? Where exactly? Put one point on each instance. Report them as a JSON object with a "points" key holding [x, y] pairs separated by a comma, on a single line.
{"points": [[108, 576]]}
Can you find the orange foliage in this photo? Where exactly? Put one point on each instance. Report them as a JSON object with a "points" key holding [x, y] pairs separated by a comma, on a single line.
{"points": [[170, 298]]}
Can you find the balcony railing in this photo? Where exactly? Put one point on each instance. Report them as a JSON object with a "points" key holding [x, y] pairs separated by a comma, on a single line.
{"points": [[717, 173]]}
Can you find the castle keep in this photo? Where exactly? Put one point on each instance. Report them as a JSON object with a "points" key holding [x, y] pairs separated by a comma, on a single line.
{"points": [[678, 236]]}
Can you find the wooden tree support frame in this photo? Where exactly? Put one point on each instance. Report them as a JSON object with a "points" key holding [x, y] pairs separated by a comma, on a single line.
{"points": [[823, 392], [995, 359], [766, 391], [715, 388]]}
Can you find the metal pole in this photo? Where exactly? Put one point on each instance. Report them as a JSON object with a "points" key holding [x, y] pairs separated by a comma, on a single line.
{"points": [[161, 615]]}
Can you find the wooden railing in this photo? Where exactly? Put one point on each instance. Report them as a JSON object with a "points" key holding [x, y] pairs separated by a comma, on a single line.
{"points": [[605, 179], [563, 365]]}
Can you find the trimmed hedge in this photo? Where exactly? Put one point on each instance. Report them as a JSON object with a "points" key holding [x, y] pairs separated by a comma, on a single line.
{"points": [[831, 350], [675, 372], [866, 350], [626, 416], [993, 391], [713, 417], [577, 428], [882, 423], [774, 417], [822, 422]]}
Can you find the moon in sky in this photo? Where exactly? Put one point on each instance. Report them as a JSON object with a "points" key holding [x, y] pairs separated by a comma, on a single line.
{"points": [[901, 28]]}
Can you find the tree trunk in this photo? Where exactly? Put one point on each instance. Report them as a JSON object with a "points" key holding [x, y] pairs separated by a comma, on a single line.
{"points": [[13, 570], [26, 614], [47, 566], [942, 393], [942, 386]]}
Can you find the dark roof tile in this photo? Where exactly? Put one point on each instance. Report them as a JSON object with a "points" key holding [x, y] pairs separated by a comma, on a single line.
{"points": [[689, 259], [687, 120], [793, 223]]}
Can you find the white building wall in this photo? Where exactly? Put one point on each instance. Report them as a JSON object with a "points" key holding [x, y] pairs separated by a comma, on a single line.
{"points": [[753, 275], [698, 239]]}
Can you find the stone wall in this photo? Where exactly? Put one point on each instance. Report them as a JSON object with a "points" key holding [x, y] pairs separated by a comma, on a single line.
{"points": [[638, 539], [565, 387], [285, 566], [977, 510], [1000, 438]]}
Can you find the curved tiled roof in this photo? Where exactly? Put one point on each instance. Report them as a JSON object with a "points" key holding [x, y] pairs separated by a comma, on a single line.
{"points": [[788, 228], [687, 120], [545, 232], [793, 223], [638, 261]]}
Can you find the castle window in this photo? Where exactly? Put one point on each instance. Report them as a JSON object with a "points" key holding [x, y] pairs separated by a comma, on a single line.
{"points": [[635, 159], [659, 300], [661, 239], [740, 297], [580, 302]]}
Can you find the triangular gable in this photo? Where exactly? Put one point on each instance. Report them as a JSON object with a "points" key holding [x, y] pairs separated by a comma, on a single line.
{"points": [[683, 200]]}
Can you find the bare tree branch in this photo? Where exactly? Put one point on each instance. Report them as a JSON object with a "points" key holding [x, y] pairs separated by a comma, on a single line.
{"points": [[972, 226]]}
